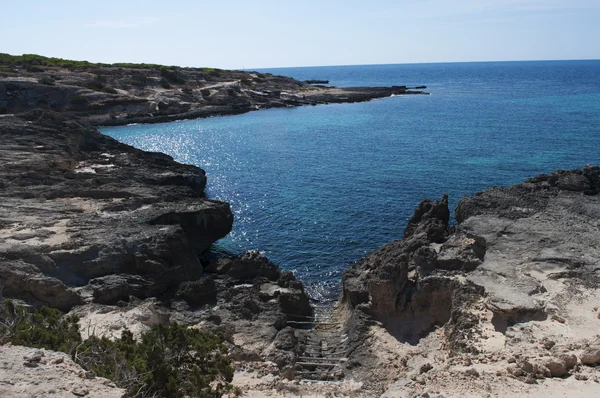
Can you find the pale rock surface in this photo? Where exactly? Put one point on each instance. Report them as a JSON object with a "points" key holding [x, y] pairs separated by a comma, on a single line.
{"points": [[31, 373]]}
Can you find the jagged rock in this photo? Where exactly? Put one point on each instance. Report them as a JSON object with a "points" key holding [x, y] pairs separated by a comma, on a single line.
{"points": [[198, 292], [252, 265], [463, 324], [20, 280], [219, 266], [408, 305], [295, 302], [530, 197], [573, 182], [430, 217], [287, 279], [110, 289]]}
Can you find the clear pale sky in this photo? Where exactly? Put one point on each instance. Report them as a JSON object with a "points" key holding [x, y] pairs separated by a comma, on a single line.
{"points": [[271, 33]]}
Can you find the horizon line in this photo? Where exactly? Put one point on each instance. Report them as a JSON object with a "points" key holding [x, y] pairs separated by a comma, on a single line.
{"points": [[425, 63], [319, 66]]}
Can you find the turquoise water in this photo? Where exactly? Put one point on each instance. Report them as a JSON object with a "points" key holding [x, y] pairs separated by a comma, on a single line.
{"points": [[317, 188]]}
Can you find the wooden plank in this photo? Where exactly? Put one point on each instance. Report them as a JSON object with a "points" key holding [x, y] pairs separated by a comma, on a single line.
{"points": [[317, 364], [313, 323], [300, 316]]}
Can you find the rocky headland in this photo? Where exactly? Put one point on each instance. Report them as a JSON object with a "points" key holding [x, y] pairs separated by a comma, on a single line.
{"points": [[108, 95]]}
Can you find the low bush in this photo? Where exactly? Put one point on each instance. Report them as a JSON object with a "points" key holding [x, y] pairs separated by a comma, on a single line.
{"points": [[34, 69], [45, 328], [164, 83], [172, 76], [139, 79], [36, 61], [168, 361]]}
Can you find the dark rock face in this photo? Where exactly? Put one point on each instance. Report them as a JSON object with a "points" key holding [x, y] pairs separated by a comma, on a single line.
{"points": [[85, 217], [530, 197], [431, 217], [261, 288], [252, 265], [202, 291], [254, 312], [404, 284]]}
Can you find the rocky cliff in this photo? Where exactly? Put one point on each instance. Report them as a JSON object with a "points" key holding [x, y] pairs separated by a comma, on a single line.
{"points": [[509, 295], [123, 94], [84, 217]]}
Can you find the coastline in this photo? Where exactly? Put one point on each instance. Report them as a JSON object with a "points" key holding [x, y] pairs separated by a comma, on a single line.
{"points": [[114, 96], [505, 302]]}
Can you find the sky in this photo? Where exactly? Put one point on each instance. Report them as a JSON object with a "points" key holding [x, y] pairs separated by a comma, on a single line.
{"points": [[277, 33]]}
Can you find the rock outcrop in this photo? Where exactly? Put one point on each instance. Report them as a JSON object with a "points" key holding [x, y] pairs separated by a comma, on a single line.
{"points": [[406, 284], [115, 235], [118, 95], [511, 291], [30, 372], [85, 218]]}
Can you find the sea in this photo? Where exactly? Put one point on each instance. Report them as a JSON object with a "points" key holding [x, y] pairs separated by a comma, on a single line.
{"points": [[316, 188]]}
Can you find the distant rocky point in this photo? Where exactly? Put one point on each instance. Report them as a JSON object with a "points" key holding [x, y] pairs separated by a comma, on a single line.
{"points": [[316, 81], [121, 94]]}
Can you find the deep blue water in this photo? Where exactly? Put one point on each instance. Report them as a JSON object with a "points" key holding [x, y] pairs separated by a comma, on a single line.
{"points": [[317, 188]]}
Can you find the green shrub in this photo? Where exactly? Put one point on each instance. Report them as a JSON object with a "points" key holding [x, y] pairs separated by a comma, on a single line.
{"points": [[172, 76], [164, 83], [33, 68], [46, 80], [139, 79], [46, 328], [168, 361]]}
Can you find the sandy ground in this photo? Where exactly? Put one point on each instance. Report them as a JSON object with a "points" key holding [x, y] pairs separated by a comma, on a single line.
{"points": [[398, 369], [29, 372]]}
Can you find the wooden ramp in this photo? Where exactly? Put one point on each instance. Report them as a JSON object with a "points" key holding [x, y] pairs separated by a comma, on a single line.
{"points": [[323, 342]]}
